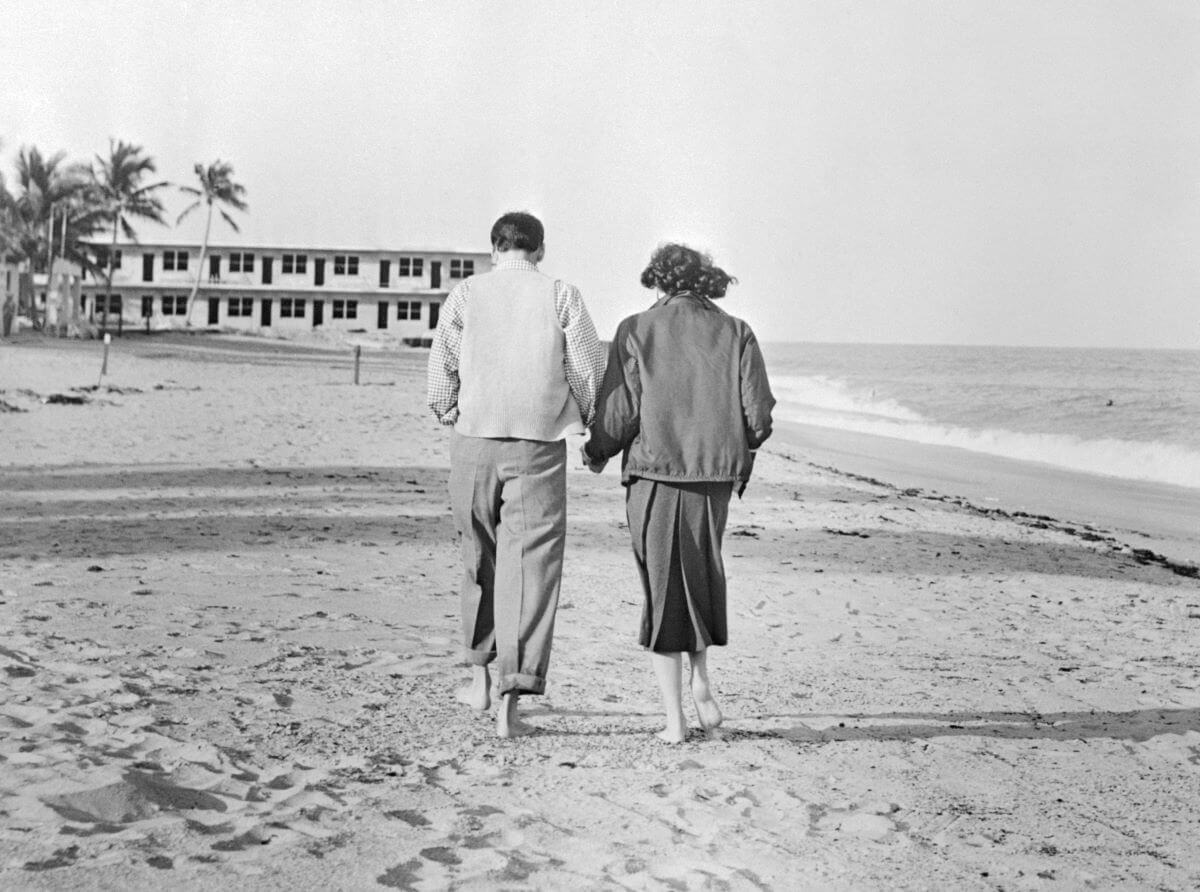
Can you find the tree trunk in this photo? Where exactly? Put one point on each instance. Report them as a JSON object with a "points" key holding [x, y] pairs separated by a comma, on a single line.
{"points": [[112, 256], [199, 268]]}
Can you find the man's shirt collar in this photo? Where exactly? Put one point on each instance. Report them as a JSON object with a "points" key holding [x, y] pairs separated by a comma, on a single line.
{"points": [[514, 263]]}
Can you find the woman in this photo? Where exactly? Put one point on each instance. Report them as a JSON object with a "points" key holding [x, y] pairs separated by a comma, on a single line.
{"points": [[686, 399]]}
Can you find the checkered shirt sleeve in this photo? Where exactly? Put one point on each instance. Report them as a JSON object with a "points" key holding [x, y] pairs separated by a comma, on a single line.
{"points": [[441, 380], [584, 358]]}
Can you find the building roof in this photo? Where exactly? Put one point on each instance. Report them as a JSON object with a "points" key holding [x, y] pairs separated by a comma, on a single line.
{"points": [[291, 248]]}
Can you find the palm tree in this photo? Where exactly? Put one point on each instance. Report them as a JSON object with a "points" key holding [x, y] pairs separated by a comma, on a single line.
{"points": [[47, 187], [8, 221], [216, 188], [122, 193], [45, 184]]}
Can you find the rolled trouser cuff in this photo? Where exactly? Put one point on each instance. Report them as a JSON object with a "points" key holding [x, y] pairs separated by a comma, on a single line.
{"points": [[520, 683]]}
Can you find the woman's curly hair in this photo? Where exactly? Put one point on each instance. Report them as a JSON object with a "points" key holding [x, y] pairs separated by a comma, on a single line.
{"points": [[676, 268]]}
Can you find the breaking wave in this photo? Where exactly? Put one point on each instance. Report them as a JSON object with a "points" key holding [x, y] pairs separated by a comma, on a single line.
{"points": [[827, 402]]}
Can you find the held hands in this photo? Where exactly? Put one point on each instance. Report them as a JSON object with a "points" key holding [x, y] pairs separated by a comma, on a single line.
{"points": [[590, 463]]}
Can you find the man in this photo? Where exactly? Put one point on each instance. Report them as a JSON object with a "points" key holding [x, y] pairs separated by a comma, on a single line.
{"points": [[515, 366]]}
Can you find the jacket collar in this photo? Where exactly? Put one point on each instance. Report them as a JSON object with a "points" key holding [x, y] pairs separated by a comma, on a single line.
{"points": [[689, 296]]}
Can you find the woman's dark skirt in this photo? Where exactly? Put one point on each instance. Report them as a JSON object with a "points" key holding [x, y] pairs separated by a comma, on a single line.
{"points": [[676, 530]]}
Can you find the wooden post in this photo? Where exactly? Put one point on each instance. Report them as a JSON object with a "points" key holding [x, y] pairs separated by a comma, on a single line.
{"points": [[357, 356]]}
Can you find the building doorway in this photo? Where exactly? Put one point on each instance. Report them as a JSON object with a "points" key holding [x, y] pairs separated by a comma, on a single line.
{"points": [[435, 274], [383, 314], [318, 308], [265, 305], [435, 310], [214, 310]]}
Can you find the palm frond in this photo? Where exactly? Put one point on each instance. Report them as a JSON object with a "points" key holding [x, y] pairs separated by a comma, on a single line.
{"points": [[187, 210], [228, 219]]}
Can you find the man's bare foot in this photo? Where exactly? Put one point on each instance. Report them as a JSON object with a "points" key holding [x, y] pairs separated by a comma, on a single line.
{"points": [[672, 735], [707, 708], [477, 694], [508, 725]]}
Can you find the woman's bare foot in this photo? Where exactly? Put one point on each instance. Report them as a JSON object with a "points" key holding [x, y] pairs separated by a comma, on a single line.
{"points": [[477, 694], [706, 704], [666, 670], [508, 725], [706, 707]]}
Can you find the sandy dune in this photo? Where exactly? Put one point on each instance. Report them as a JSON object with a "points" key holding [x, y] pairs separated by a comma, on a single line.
{"points": [[228, 633]]}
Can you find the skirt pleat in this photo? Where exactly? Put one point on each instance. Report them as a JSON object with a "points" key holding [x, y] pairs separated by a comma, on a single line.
{"points": [[676, 531]]}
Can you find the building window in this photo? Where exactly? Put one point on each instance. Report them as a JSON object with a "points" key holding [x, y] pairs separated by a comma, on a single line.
{"points": [[413, 267], [460, 269], [174, 305], [102, 259], [345, 265], [241, 306], [114, 304], [175, 260], [291, 308], [295, 263], [345, 309], [408, 309], [241, 262]]}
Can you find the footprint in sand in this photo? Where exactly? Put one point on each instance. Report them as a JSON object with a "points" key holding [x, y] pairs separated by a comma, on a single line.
{"points": [[875, 822]]}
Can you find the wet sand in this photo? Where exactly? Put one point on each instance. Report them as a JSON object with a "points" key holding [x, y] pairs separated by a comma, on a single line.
{"points": [[229, 637]]}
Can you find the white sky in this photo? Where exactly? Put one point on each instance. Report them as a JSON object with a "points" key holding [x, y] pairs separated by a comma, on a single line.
{"points": [[1006, 172]]}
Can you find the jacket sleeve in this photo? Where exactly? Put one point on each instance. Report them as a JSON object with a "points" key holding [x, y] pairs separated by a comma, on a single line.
{"points": [[757, 400], [618, 405]]}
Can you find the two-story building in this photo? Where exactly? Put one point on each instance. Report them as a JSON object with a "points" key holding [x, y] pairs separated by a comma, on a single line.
{"points": [[280, 289]]}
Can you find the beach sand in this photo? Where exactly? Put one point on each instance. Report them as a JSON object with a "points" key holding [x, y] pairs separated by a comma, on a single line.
{"points": [[229, 639]]}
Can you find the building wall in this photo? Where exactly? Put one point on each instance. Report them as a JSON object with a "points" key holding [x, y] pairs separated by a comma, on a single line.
{"points": [[355, 283]]}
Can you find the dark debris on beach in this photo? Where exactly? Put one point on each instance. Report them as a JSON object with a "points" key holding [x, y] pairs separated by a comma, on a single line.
{"points": [[1084, 532]]}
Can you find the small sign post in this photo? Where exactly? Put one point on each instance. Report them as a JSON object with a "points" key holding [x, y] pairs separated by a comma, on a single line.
{"points": [[104, 364]]}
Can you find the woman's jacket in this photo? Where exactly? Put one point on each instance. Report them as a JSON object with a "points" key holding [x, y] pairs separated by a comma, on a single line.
{"points": [[685, 395]]}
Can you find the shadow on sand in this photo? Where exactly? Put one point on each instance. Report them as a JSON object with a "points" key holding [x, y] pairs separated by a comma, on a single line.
{"points": [[90, 513]]}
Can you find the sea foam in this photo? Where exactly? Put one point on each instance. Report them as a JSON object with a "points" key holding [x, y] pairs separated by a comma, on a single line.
{"points": [[828, 402]]}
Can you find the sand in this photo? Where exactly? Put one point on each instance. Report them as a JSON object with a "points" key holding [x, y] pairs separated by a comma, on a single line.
{"points": [[229, 639]]}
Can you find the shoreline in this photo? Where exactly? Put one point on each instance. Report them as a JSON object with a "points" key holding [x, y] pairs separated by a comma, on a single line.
{"points": [[1156, 516]]}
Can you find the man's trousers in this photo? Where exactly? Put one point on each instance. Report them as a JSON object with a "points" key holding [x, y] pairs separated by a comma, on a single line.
{"points": [[509, 499]]}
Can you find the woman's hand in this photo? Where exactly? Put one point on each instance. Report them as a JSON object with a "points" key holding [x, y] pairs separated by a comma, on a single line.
{"points": [[590, 463]]}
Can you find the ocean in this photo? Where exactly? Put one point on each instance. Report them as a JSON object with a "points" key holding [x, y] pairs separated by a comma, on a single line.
{"points": [[1132, 414]]}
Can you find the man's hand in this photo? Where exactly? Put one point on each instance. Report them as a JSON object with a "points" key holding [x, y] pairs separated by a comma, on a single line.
{"points": [[590, 463]]}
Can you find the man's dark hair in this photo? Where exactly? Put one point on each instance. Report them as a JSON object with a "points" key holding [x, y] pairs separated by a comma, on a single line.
{"points": [[518, 231]]}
